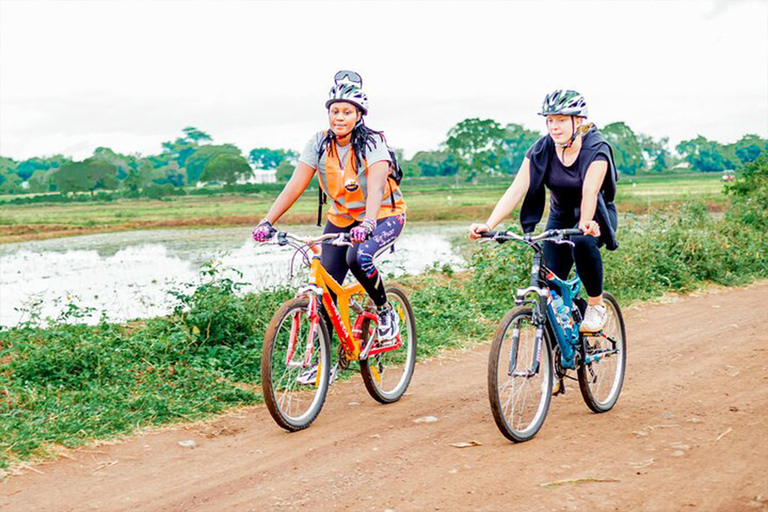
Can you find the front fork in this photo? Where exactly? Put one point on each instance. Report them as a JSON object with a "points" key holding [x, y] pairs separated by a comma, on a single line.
{"points": [[294, 342], [539, 320]]}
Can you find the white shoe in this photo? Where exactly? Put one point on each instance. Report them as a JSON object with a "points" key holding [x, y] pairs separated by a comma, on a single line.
{"points": [[594, 319], [389, 325], [310, 376]]}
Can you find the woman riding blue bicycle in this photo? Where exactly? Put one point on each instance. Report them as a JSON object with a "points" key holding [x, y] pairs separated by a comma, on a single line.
{"points": [[353, 166], [575, 162]]}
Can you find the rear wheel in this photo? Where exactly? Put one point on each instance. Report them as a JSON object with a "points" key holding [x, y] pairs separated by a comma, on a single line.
{"points": [[519, 380], [295, 391], [388, 374], [601, 376]]}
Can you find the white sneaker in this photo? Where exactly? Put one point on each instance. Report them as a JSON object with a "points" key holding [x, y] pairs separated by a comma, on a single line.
{"points": [[389, 325], [594, 319], [310, 376]]}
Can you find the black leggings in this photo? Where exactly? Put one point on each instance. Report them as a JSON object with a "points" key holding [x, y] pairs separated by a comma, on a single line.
{"points": [[359, 258], [559, 258]]}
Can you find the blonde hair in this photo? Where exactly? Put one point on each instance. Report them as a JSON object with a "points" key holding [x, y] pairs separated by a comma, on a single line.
{"points": [[584, 128]]}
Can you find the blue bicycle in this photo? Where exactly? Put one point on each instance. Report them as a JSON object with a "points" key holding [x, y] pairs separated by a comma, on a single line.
{"points": [[538, 341]]}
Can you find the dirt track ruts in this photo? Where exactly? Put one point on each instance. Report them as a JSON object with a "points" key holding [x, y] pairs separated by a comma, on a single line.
{"points": [[690, 433]]}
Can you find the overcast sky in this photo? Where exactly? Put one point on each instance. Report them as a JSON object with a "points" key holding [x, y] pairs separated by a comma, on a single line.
{"points": [[131, 74]]}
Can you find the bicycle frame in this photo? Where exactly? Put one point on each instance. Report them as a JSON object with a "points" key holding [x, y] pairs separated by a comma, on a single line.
{"points": [[321, 283], [567, 335], [568, 338]]}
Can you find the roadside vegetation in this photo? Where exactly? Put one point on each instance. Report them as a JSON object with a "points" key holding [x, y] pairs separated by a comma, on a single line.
{"points": [[63, 384]]}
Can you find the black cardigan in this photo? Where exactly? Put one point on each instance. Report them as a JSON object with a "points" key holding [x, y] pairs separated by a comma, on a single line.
{"points": [[540, 155]]}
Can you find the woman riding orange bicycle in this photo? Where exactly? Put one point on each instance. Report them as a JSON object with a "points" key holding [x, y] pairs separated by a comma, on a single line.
{"points": [[353, 166]]}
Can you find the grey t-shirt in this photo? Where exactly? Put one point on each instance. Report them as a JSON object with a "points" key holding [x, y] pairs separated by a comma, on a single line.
{"points": [[309, 156]]}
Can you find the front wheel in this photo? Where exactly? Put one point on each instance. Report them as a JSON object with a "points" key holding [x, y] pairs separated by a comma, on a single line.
{"points": [[601, 374], [520, 375], [295, 366], [388, 374]]}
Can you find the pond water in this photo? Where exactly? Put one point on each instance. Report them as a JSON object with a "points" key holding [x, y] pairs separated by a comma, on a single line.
{"points": [[127, 275]]}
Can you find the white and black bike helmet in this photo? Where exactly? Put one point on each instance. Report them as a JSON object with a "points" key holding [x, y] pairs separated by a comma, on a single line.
{"points": [[348, 87], [564, 102]]}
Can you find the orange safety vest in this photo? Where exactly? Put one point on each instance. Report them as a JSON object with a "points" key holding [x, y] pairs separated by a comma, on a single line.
{"points": [[348, 188]]}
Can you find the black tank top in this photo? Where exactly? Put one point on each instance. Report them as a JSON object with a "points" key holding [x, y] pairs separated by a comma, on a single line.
{"points": [[565, 184]]}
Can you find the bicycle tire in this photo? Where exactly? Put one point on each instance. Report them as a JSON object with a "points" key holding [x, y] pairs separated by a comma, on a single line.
{"points": [[587, 375], [273, 360], [497, 357], [374, 368]]}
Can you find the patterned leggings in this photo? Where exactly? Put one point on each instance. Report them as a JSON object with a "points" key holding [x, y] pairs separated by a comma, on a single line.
{"points": [[359, 258]]}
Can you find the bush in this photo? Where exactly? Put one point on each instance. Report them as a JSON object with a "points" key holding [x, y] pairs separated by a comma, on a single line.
{"points": [[661, 253], [750, 195], [156, 191]]}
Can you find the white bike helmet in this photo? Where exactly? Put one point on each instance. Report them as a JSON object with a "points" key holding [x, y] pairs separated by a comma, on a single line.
{"points": [[564, 102], [348, 87]]}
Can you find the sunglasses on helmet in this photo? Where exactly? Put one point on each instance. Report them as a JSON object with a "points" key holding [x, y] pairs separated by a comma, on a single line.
{"points": [[348, 76]]}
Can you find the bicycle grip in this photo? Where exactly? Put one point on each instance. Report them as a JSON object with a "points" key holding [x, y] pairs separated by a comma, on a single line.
{"points": [[572, 232]]}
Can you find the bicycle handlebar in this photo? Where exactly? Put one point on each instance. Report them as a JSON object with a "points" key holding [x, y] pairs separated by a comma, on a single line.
{"points": [[550, 234], [282, 237]]}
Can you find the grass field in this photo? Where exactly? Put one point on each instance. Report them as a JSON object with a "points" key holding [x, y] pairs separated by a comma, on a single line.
{"points": [[428, 200]]}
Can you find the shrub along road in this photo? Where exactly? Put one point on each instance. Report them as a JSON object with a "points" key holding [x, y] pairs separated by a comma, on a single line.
{"points": [[688, 433]]}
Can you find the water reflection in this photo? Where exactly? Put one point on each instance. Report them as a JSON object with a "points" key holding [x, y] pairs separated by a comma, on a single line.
{"points": [[127, 275]]}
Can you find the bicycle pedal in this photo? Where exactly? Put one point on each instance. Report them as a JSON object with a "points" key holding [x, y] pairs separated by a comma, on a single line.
{"points": [[389, 343]]}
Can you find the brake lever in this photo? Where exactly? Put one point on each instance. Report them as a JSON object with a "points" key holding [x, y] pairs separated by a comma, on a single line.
{"points": [[340, 241]]}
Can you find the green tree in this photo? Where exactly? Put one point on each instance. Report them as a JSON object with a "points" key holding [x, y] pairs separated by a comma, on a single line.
{"points": [[9, 180], [627, 151], [170, 174], [706, 155], [196, 136], [138, 177], [476, 143], [226, 167], [88, 175], [183, 147], [515, 144], [42, 181], [750, 194], [269, 159], [433, 163], [125, 164], [656, 154], [27, 168], [198, 160], [750, 147], [284, 171]]}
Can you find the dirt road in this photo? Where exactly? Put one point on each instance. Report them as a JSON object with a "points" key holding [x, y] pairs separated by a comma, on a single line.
{"points": [[690, 433]]}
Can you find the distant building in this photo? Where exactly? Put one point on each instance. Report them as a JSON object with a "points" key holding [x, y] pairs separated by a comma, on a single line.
{"points": [[681, 166], [259, 176]]}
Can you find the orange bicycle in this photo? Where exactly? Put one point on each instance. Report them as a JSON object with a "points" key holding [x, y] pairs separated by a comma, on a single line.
{"points": [[296, 355]]}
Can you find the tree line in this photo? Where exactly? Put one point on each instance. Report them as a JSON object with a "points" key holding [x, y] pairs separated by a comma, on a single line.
{"points": [[473, 147]]}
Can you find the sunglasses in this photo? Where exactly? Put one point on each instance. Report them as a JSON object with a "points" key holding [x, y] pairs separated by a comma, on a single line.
{"points": [[348, 76]]}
